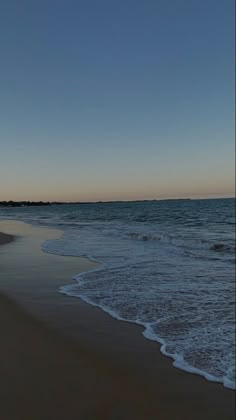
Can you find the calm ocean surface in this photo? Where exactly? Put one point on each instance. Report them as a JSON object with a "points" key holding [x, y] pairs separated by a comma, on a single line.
{"points": [[167, 265]]}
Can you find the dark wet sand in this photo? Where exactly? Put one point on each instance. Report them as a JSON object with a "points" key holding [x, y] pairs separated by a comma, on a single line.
{"points": [[107, 370], [5, 238]]}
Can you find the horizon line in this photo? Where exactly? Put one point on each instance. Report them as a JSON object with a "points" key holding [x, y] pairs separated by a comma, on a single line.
{"points": [[117, 201]]}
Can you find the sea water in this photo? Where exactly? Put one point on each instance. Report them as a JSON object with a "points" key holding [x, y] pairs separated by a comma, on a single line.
{"points": [[166, 265]]}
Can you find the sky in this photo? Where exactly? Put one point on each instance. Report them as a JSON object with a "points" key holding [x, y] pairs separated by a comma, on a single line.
{"points": [[116, 99]]}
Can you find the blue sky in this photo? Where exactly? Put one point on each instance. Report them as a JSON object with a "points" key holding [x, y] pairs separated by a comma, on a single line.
{"points": [[116, 99]]}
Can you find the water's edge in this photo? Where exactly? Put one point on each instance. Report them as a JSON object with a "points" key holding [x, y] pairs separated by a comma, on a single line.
{"points": [[178, 361], [174, 279]]}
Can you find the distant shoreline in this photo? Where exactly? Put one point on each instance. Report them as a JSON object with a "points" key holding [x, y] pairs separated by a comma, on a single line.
{"points": [[12, 203]]}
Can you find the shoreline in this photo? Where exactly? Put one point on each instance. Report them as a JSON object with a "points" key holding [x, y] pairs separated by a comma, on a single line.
{"points": [[147, 334], [124, 375]]}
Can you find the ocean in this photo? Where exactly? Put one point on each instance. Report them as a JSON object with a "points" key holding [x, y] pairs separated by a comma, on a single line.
{"points": [[166, 265]]}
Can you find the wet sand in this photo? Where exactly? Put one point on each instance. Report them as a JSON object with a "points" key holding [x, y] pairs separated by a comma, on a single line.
{"points": [[5, 238], [64, 359]]}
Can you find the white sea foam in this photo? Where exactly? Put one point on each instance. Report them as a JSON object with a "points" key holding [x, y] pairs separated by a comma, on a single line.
{"points": [[179, 302]]}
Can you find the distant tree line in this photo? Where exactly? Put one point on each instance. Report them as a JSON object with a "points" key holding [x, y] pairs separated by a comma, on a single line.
{"points": [[26, 203], [50, 203]]}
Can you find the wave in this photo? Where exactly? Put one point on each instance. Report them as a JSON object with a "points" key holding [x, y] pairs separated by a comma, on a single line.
{"points": [[220, 247], [184, 242], [192, 359], [144, 236]]}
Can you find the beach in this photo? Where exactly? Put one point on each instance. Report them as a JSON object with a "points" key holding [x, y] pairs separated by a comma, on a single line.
{"points": [[64, 359]]}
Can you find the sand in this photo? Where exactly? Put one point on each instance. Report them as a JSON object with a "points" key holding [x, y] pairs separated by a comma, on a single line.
{"points": [[107, 370]]}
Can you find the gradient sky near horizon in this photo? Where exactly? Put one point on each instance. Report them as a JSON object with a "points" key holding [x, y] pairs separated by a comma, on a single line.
{"points": [[116, 99]]}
